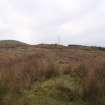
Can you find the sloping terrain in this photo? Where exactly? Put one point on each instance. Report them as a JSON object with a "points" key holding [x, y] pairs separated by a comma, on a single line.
{"points": [[11, 44], [51, 74]]}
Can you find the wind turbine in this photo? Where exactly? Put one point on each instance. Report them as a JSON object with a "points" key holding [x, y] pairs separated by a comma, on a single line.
{"points": [[59, 39]]}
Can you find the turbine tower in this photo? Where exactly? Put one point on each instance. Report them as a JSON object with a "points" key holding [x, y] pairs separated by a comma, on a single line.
{"points": [[59, 39]]}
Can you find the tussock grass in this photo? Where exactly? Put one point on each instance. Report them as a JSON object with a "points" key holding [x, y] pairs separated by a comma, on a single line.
{"points": [[63, 75]]}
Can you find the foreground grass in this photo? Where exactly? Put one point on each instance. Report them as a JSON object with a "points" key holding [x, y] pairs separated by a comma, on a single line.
{"points": [[63, 90], [56, 91]]}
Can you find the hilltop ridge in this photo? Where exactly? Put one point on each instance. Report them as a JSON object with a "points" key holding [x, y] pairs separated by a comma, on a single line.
{"points": [[11, 43]]}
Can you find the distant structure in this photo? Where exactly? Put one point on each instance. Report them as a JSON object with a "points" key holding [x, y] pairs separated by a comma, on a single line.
{"points": [[58, 39]]}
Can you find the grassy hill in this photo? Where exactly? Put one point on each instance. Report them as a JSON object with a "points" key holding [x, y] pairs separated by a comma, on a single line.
{"points": [[51, 74], [11, 44]]}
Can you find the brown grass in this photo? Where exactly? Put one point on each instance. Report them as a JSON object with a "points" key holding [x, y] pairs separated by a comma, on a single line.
{"points": [[23, 72], [20, 70]]}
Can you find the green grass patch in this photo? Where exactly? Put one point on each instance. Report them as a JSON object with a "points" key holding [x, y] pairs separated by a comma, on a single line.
{"points": [[57, 91]]}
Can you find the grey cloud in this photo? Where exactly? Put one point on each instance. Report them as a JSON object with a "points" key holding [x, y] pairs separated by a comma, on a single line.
{"points": [[35, 21]]}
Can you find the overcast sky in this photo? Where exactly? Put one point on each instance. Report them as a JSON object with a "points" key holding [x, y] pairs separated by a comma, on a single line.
{"points": [[48, 21]]}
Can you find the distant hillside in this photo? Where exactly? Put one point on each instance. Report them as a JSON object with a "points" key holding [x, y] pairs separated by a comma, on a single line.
{"points": [[59, 46], [87, 47], [14, 44], [50, 46], [11, 44]]}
